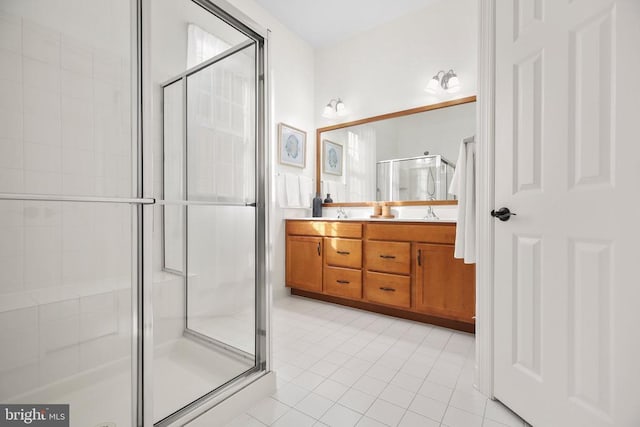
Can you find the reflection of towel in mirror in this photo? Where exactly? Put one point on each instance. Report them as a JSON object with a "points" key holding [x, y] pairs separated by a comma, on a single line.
{"points": [[292, 190], [463, 185]]}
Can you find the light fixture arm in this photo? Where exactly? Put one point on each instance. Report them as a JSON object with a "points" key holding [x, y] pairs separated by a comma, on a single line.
{"points": [[335, 107], [438, 77], [446, 80]]}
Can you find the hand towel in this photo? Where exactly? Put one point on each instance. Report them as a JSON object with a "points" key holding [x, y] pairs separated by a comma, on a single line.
{"points": [[281, 195], [306, 191], [292, 190], [463, 185]]}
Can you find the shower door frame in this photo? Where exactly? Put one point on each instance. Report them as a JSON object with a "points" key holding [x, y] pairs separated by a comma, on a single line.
{"points": [[258, 37], [183, 78]]}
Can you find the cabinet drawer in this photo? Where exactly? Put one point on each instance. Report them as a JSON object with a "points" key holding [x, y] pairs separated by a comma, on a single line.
{"points": [[389, 289], [325, 228], [389, 257], [343, 282], [434, 233], [343, 252]]}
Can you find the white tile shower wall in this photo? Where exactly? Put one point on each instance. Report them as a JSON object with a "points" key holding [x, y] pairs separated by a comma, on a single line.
{"points": [[64, 114]]}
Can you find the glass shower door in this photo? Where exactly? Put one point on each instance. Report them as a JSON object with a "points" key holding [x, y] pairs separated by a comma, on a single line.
{"points": [[69, 209], [211, 224]]}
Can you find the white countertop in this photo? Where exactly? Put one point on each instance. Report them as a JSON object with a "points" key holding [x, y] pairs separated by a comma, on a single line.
{"points": [[324, 218]]}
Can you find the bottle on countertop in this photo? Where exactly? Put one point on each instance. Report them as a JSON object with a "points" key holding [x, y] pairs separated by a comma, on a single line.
{"points": [[317, 206], [328, 199]]}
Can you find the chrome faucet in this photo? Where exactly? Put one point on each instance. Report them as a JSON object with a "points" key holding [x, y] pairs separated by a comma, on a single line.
{"points": [[431, 214], [341, 213]]}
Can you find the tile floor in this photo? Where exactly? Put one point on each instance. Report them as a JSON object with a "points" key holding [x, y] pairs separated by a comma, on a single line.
{"points": [[341, 367]]}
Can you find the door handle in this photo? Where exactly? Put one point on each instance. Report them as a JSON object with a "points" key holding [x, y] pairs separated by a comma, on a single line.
{"points": [[343, 252], [343, 282], [419, 257], [388, 256], [503, 214], [318, 248], [383, 288]]}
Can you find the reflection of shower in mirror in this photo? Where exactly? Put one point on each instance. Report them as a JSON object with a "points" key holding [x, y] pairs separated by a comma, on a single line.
{"points": [[417, 178]]}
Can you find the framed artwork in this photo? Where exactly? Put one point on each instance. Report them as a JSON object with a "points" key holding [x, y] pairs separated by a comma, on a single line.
{"points": [[332, 159], [292, 145]]}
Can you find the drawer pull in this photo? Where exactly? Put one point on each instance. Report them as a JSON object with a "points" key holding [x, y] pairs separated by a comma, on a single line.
{"points": [[420, 257], [318, 248], [388, 256], [382, 288], [343, 282], [344, 253]]}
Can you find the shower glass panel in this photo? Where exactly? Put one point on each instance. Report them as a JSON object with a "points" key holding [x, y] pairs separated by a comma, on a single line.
{"points": [[66, 272], [221, 283], [68, 217], [221, 166], [221, 130]]}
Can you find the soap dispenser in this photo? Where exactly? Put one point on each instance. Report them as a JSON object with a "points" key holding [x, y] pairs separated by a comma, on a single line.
{"points": [[317, 206]]}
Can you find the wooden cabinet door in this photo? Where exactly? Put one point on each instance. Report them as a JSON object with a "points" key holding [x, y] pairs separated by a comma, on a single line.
{"points": [[444, 286], [304, 263]]}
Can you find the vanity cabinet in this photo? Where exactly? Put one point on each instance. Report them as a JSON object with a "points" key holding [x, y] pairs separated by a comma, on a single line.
{"points": [[304, 262], [444, 286], [403, 269]]}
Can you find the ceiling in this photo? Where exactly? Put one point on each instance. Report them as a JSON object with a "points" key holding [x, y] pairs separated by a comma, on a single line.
{"points": [[325, 22]]}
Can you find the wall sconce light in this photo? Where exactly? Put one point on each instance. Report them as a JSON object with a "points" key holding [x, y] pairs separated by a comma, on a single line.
{"points": [[448, 81], [334, 108]]}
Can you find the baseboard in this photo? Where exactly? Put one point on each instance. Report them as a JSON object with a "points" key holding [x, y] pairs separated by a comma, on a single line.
{"points": [[389, 311]]}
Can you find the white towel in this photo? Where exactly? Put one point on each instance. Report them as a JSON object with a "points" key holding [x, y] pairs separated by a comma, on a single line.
{"points": [[281, 195], [292, 190], [463, 185], [306, 191]]}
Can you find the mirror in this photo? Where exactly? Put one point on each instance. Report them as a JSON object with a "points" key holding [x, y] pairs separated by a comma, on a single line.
{"points": [[403, 156]]}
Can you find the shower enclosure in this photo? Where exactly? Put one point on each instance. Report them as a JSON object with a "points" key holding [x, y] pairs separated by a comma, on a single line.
{"points": [[416, 178], [132, 207]]}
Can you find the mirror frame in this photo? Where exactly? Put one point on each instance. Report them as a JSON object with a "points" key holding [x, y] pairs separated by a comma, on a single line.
{"points": [[395, 114]]}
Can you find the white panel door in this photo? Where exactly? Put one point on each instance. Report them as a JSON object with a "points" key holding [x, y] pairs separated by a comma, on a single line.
{"points": [[567, 289]]}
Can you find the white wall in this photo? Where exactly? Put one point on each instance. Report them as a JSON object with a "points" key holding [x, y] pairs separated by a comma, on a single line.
{"points": [[291, 68], [387, 68], [438, 131]]}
